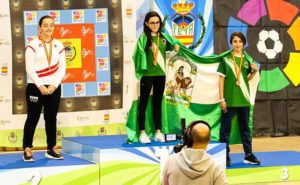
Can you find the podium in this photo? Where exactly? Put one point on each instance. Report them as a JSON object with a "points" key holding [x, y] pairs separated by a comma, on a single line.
{"points": [[122, 163]]}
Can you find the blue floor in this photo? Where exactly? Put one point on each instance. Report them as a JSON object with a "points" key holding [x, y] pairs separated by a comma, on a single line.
{"points": [[14, 160], [268, 159], [279, 158]]}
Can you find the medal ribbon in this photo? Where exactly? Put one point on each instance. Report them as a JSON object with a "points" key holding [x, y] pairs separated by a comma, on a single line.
{"points": [[237, 68], [155, 50], [48, 54]]}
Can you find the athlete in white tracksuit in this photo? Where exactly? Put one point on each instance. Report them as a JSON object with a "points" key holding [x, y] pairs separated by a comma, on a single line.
{"points": [[45, 67]]}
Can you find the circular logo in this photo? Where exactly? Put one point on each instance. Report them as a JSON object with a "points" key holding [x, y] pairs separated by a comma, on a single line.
{"points": [[271, 40]]}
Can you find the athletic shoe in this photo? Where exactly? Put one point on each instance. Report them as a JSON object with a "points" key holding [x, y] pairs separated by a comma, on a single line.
{"points": [[159, 137], [251, 159], [144, 138], [228, 161], [26, 157], [52, 154]]}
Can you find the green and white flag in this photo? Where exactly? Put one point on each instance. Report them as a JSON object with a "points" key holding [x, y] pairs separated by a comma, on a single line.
{"points": [[191, 92]]}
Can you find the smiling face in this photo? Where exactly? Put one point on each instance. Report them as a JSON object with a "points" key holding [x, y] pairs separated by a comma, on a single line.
{"points": [[47, 27], [154, 24], [237, 44]]}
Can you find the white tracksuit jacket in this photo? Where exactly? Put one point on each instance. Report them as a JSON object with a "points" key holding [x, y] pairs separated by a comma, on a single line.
{"points": [[38, 70]]}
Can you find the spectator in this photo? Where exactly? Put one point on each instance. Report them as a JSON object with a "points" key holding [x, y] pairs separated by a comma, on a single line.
{"points": [[193, 165]]}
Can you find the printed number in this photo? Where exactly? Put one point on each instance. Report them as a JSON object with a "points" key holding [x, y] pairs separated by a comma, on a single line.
{"points": [[285, 174], [34, 177]]}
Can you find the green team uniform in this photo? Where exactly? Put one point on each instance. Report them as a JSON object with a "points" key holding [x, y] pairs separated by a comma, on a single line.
{"points": [[235, 96], [156, 70]]}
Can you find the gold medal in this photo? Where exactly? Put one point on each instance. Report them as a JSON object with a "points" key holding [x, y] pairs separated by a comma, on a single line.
{"points": [[48, 54], [238, 69], [155, 50], [154, 62]]}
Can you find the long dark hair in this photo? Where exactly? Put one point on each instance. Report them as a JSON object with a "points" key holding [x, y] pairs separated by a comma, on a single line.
{"points": [[147, 30]]}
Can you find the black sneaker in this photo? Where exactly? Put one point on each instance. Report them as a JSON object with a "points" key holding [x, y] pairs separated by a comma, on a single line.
{"points": [[51, 154], [251, 159], [28, 158], [228, 161]]}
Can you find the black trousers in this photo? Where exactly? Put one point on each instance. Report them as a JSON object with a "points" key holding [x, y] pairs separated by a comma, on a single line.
{"points": [[158, 84], [35, 102], [243, 120]]}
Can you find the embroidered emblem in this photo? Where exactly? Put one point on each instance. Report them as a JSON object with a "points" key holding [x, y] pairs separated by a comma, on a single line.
{"points": [[246, 65], [164, 41]]}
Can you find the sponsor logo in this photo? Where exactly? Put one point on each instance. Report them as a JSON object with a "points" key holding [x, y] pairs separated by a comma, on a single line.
{"points": [[102, 64], [82, 118], [183, 22], [30, 18], [86, 52], [19, 81], [102, 131], [69, 104], [106, 117], [33, 99], [116, 76], [4, 70], [66, 3], [64, 31], [5, 43], [102, 39], [19, 106], [273, 35], [41, 3], [101, 15], [4, 122], [116, 51], [59, 135], [103, 88], [129, 11], [86, 74], [80, 89], [85, 30], [93, 102], [116, 100], [13, 138], [55, 16], [270, 42], [77, 16]]}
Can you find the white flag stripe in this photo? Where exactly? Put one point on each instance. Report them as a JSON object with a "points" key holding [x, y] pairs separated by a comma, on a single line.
{"points": [[160, 59], [206, 86], [242, 82]]}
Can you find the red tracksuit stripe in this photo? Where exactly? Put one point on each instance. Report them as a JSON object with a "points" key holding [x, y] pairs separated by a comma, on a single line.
{"points": [[47, 69], [48, 73]]}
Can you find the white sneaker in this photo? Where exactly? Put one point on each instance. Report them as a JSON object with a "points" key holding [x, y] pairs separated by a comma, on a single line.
{"points": [[159, 137], [144, 138]]}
